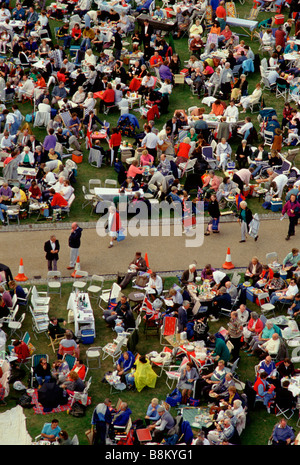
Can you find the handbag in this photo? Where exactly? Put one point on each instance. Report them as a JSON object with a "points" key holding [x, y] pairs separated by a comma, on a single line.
{"points": [[90, 436], [142, 280], [121, 236]]}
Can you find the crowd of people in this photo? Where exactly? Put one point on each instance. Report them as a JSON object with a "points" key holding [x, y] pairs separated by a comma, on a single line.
{"points": [[43, 72], [57, 85]]}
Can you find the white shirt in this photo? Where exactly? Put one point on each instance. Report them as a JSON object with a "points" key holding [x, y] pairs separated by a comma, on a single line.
{"points": [[292, 291], [44, 108], [157, 283], [148, 82], [67, 191], [30, 155], [151, 140], [58, 186], [245, 128], [6, 142], [50, 178], [218, 276], [232, 112]]}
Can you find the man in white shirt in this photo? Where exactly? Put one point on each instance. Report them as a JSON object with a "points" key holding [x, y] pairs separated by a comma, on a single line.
{"points": [[146, 84], [246, 126], [67, 190], [232, 111], [49, 177], [243, 314], [273, 76], [26, 89], [6, 141], [58, 186], [271, 346], [44, 107], [151, 141], [286, 295]]}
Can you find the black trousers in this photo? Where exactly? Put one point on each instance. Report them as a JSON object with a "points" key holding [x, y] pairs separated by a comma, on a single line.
{"points": [[292, 224], [238, 181], [236, 342]]}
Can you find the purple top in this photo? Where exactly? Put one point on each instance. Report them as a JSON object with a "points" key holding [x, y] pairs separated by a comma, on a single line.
{"points": [[7, 192], [49, 142], [165, 73]]}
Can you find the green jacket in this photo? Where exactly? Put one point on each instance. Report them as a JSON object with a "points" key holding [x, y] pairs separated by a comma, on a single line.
{"points": [[221, 349]]}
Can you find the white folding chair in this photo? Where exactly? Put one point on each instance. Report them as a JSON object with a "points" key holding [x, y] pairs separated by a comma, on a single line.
{"points": [[54, 282]]}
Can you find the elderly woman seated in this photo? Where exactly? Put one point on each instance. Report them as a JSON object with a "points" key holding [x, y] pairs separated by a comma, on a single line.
{"points": [[188, 377], [183, 153], [73, 383], [263, 337], [226, 188]]}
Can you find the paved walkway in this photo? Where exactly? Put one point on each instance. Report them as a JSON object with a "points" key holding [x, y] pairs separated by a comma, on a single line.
{"points": [[164, 253]]}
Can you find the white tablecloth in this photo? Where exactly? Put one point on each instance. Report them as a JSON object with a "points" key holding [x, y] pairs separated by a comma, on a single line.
{"points": [[108, 193], [239, 22], [83, 316]]}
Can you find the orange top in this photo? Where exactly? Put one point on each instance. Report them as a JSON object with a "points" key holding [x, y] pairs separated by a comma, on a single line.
{"points": [[217, 110]]}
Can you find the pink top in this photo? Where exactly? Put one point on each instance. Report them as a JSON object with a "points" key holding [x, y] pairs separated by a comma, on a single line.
{"points": [[134, 170], [146, 160]]}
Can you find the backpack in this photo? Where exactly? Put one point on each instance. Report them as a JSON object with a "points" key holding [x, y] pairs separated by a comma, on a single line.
{"points": [[25, 401], [174, 398], [77, 410], [186, 433]]}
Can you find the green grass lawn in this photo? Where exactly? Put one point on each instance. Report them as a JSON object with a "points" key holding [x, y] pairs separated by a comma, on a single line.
{"points": [[260, 422]]}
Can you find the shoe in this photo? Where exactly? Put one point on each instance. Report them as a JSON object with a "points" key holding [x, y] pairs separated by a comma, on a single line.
{"points": [[70, 268], [110, 246], [287, 238], [256, 238], [207, 234], [243, 241], [214, 319], [249, 355]]}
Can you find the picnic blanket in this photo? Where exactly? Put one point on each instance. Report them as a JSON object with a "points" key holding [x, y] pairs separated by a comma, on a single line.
{"points": [[39, 409]]}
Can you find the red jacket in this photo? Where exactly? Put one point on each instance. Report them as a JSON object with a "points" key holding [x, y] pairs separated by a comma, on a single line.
{"points": [[115, 140], [22, 351], [116, 223], [108, 96], [258, 327], [152, 113], [58, 201]]}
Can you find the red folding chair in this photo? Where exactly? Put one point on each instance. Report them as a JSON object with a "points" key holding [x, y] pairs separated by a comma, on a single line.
{"points": [[169, 328]]}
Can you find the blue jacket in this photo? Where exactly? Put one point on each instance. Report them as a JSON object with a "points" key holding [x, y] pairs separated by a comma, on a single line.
{"points": [[122, 418], [126, 364], [74, 239]]}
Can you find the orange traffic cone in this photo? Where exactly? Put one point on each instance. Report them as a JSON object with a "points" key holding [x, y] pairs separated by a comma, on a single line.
{"points": [[21, 276], [228, 265], [77, 268], [147, 263]]}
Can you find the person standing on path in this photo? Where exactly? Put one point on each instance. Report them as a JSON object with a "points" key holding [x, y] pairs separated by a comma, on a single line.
{"points": [[292, 209], [74, 244], [51, 248], [245, 218]]}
